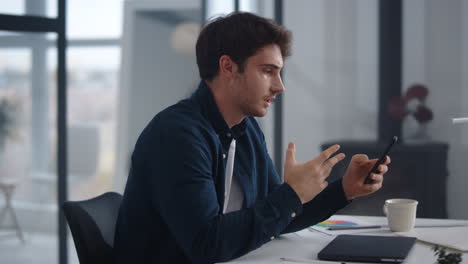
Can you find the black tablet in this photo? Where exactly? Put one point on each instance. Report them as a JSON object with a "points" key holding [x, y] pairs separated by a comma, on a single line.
{"points": [[376, 249]]}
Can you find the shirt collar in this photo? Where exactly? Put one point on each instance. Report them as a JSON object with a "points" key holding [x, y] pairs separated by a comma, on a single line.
{"points": [[210, 109]]}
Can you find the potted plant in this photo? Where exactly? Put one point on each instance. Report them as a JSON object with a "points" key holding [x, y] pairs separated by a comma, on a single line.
{"points": [[443, 257], [413, 103], [8, 109]]}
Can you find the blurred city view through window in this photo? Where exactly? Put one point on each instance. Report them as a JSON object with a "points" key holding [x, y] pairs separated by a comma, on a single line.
{"points": [[28, 116], [91, 96]]}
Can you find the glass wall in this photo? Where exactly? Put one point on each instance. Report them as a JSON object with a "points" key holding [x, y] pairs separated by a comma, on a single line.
{"points": [[28, 72], [93, 73], [92, 109], [28, 128], [103, 20], [93, 61]]}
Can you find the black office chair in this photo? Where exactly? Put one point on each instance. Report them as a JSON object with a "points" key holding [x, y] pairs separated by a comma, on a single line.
{"points": [[92, 223]]}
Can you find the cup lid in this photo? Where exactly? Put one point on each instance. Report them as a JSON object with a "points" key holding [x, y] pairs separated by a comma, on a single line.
{"points": [[401, 201]]}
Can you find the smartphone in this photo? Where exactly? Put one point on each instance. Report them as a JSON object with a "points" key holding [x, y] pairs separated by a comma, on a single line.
{"points": [[380, 160]]}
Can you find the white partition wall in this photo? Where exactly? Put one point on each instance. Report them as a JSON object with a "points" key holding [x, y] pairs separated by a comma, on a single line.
{"points": [[331, 78], [155, 72]]}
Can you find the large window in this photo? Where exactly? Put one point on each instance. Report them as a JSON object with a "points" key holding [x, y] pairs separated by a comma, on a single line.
{"points": [[29, 7], [93, 63], [92, 107], [28, 95]]}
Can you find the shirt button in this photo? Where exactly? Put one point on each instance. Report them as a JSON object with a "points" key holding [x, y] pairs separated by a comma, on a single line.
{"points": [[224, 156], [293, 215], [272, 238], [228, 135]]}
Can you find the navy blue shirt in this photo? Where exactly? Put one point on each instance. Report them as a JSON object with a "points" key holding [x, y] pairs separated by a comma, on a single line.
{"points": [[172, 206]]}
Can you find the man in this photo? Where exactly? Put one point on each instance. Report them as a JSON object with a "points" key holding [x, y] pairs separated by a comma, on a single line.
{"points": [[202, 187]]}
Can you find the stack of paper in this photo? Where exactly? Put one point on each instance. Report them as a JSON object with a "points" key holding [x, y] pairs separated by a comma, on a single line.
{"points": [[451, 237]]}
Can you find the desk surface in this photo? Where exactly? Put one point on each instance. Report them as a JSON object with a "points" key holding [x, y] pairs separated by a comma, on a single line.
{"points": [[306, 244]]}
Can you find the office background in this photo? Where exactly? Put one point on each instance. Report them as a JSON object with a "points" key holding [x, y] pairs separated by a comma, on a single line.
{"points": [[126, 60]]}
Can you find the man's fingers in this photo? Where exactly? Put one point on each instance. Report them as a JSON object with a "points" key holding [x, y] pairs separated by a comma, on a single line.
{"points": [[387, 160], [290, 154], [328, 164], [377, 181], [324, 185], [326, 173], [326, 154], [377, 178], [382, 169], [360, 158], [370, 188]]}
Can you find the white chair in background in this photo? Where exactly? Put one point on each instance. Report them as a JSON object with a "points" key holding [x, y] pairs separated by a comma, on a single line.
{"points": [[8, 186]]}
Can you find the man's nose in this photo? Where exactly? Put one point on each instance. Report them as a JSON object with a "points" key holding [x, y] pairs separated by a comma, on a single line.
{"points": [[278, 87]]}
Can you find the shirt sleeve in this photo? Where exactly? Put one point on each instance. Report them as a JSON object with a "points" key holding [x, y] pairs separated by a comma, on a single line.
{"points": [[181, 171], [324, 205]]}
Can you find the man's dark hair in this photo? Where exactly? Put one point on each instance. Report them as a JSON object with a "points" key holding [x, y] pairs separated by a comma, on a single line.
{"points": [[238, 35]]}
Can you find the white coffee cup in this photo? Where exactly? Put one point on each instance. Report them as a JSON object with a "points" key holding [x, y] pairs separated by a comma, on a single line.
{"points": [[401, 214]]}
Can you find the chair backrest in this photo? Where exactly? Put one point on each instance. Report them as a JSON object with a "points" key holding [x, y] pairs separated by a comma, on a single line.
{"points": [[92, 224]]}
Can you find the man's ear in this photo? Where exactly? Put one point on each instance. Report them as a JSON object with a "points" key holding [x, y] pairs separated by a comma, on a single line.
{"points": [[227, 67]]}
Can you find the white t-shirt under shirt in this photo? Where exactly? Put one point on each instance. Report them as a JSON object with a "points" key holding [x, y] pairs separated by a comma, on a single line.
{"points": [[234, 195]]}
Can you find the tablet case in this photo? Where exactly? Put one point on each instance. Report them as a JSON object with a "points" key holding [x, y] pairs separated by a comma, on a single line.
{"points": [[377, 249]]}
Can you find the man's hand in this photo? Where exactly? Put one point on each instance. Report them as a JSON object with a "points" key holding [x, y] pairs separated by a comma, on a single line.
{"points": [[359, 167], [308, 179]]}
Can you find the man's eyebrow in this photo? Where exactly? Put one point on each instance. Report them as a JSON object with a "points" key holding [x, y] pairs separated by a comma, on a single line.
{"points": [[271, 65]]}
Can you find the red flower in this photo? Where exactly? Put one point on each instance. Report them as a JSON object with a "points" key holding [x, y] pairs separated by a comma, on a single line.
{"points": [[418, 91]]}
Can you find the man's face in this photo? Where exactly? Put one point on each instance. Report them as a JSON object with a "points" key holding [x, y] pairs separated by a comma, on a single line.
{"points": [[256, 87]]}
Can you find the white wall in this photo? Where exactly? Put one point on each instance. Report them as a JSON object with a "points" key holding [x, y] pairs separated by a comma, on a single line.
{"points": [[331, 78], [154, 74]]}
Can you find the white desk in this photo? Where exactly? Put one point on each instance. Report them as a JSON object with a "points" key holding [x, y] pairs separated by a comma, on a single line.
{"points": [[306, 245]]}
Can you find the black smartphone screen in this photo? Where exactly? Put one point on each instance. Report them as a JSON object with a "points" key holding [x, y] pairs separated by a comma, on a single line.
{"points": [[380, 160]]}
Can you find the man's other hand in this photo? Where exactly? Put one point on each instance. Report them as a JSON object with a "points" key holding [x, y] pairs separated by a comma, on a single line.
{"points": [[309, 179], [359, 167]]}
